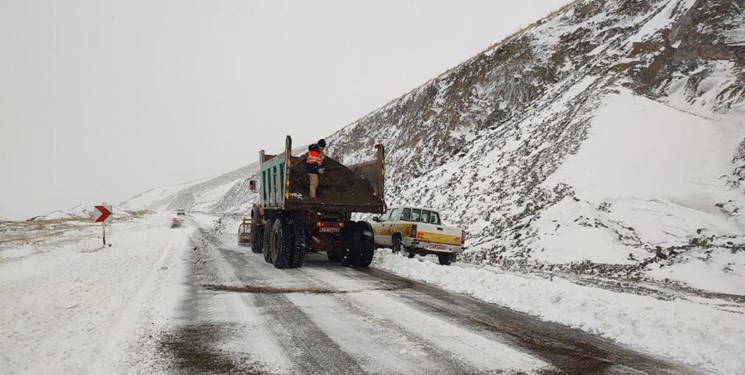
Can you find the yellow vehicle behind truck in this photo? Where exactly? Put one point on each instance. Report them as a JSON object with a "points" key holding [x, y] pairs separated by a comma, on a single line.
{"points": [[415, 230], [244, 232]]}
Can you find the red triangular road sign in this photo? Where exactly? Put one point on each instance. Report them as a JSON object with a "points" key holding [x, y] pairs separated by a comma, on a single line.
{"points": [[105, 213]]}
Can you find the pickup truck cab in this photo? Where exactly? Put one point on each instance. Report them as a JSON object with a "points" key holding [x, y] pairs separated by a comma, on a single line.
{"points": [[415, 230]]}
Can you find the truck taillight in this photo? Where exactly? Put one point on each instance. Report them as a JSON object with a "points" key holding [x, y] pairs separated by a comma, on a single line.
{"points": [[462, 237], [413, 231], [329, 224]]}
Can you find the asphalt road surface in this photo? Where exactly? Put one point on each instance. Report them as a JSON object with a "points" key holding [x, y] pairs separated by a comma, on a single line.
{"points": [[327, 319]]}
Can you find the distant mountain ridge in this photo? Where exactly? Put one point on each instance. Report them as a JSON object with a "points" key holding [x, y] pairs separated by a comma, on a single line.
{"points": [[225, 193]]}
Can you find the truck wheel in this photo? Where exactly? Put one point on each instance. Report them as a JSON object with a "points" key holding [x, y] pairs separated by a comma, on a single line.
{"points": [[298, 237], [267, 246], [396, 243], [257, 238], [359, 247], [398, 247], [445, 259], [332, 255], [281, 245], [352, 244], [407, 252], [367, 250]]}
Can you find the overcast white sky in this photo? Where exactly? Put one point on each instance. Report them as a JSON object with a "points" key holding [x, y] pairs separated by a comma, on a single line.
{"points": [[101, 100]]}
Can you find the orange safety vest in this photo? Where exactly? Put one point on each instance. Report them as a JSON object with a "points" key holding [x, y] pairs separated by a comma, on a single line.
{"points": [[314, 158]]}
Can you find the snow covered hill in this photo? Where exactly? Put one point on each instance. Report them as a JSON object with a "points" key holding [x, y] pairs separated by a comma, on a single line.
{"points": [[81, 212], [607, 138], [607, 133], [227, 193]]}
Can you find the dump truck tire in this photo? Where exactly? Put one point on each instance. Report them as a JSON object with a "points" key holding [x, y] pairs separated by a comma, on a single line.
{"points": [[267, 246], [332, 255], [257, 239], [358, 247], [367, 251], [352, 244], [298, 243], [282, 245]]}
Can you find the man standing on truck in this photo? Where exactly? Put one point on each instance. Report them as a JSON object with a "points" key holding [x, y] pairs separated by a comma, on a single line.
{"points": [[321, 147], [314, 161]]}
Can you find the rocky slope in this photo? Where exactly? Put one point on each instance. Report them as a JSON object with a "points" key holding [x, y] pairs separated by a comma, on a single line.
{"points": [[482, 140], [606, 138]]}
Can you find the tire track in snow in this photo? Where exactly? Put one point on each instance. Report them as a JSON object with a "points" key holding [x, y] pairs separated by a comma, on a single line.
{"points": [[343, 320], [125, 338], [399, 344], [308, 347], [378, 344]]}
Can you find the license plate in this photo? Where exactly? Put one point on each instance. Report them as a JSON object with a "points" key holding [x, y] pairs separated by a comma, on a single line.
{"points": [[438, 247], [329, 230]]}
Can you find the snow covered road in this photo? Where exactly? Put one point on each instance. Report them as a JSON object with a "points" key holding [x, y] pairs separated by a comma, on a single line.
{"points": [[189, 300], [243, 315], [78, 308]]}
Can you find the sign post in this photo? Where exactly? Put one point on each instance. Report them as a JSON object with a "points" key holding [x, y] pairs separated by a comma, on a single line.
{"points": [[103, 218]]}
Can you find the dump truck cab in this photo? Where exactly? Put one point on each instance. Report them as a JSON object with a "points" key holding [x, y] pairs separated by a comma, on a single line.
{"points": [[288, 222]]}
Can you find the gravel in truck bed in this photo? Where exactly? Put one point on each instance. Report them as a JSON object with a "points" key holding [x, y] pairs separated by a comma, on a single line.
{"points": [[338, 185]]}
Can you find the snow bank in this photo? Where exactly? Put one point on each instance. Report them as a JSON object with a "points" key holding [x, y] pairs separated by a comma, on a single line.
{"points": [[641, 149], [696, 334], [720, 272], [648, 175]]}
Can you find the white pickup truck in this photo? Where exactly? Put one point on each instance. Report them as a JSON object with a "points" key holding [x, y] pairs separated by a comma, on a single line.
{"points": [[414, 230]]}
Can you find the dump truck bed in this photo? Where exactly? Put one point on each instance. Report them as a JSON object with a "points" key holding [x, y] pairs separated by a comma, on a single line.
{"points": [[358, 188], [340, 189]]}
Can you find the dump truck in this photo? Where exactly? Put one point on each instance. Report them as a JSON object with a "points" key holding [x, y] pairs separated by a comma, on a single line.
{"points": [[287, 222]]}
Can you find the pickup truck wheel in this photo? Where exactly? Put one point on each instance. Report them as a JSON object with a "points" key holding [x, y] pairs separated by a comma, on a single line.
{"points": [[267, 246], [298, 243], [397, 246], [282, 244], [445, 259], [407, 253], [257, 238]]}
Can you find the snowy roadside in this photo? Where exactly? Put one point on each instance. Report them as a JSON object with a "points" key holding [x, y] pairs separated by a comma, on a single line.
{"points": [[77, 308], [687, 332]]}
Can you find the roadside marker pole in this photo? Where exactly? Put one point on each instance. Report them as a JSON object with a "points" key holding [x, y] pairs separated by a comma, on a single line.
{"points": [[103, 218]]}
